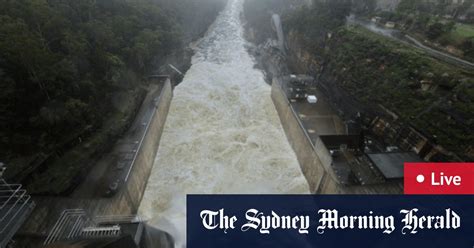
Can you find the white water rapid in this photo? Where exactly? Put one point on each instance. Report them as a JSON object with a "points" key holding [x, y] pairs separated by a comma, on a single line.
{"points": [[222, 135]]}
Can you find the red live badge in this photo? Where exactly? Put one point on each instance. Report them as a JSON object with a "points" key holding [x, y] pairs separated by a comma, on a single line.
{"points": [[439, 178]]}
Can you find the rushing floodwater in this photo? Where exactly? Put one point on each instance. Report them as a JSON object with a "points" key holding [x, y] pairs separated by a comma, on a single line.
{"points": [[222, 134]]}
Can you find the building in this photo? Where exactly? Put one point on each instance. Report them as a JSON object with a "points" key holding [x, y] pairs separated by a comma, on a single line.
{"points": [[408, 138], [390, 164], [390, 25]]}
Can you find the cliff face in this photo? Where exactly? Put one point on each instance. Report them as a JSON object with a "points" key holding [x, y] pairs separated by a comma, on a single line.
{"points": [[300, 59], [258, 13]]}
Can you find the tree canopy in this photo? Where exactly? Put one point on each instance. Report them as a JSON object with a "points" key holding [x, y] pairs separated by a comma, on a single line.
{"points": [[59, 60]]}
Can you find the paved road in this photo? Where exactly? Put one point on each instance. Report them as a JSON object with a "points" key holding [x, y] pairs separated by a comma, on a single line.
{"points": [[440, 55], [406, 39]]}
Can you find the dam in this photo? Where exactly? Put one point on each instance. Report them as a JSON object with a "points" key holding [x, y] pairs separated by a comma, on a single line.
{"points": [[222, 134]]}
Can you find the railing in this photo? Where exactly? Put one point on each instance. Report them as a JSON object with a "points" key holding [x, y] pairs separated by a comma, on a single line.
{"points": [[69, 226], [106, 219], [15, 205], [107, 231], [76, 224]]}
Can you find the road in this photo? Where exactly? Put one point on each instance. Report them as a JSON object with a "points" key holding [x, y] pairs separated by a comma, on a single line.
{"points": [[408, 40]]}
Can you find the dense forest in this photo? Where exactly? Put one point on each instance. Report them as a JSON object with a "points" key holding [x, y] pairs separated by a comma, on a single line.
{"points": [[62, 62], [59, 59]]}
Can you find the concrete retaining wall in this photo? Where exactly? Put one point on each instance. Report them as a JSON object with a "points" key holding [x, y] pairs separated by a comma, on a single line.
{"points": [[311, 165], [127, 201]]}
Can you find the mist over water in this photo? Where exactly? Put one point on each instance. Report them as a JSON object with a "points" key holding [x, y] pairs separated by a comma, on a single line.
{"points": [[222, 135]]}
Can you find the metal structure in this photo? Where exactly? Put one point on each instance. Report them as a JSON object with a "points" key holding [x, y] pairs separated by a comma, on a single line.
{"points": [[15, 206], [69, 226], [114, 219], [107, 231], [76, 224]]}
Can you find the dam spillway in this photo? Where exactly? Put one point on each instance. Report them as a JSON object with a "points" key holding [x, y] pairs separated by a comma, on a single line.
{"points": [[222, 134]]}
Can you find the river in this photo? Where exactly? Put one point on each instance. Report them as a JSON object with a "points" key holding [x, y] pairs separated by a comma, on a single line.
{"points": [[222, 135]]}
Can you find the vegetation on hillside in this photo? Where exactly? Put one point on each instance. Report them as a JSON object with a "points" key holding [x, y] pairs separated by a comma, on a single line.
{"points": [[316, 22], [59, 59], [434, 97], [63, 61]]}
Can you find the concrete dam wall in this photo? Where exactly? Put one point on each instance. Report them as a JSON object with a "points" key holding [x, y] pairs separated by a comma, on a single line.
{"points": [[310, 163], [128, 199]]}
